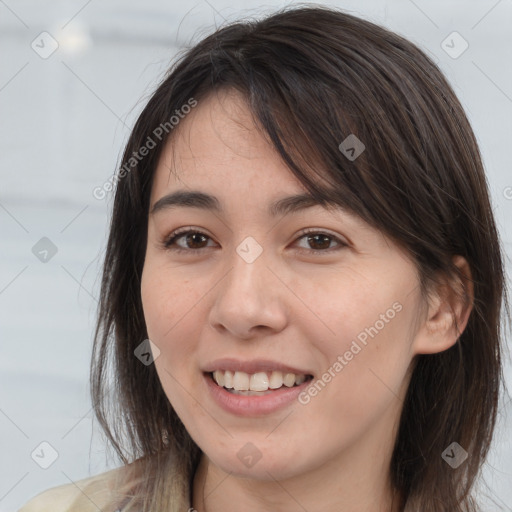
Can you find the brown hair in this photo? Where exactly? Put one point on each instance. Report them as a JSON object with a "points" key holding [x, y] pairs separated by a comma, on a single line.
{"points": [[312, 76]]}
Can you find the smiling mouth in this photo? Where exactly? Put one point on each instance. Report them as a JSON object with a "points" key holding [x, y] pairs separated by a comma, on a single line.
{"points": [[279, 385]]}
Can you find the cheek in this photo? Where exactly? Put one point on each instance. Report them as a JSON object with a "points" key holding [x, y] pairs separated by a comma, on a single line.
{"points": [[366, 350], [168, 301], [168, 305]]}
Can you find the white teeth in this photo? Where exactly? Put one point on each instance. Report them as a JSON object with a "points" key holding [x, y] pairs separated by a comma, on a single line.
{"points": [[219, 377], [276, 380], [241, 381], [300, 379], [228, 379], [259, 382], [289, 380]]}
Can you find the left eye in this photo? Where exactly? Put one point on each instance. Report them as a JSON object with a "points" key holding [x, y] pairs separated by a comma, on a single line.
{"points": [[193, 238], [189, 235]]}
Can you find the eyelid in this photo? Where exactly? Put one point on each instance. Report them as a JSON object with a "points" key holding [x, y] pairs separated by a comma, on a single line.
{"points": [[322, 231]]}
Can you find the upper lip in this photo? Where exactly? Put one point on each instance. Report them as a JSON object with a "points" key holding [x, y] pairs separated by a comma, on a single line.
{"points": [[253, 366]]}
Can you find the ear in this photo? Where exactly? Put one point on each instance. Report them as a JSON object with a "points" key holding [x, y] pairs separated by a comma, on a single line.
{"points": [[449, 306]]}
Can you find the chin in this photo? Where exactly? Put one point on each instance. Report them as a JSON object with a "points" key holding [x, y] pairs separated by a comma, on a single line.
{"points": [[265, 465]]}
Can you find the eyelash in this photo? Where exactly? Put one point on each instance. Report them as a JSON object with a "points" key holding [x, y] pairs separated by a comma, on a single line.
{"points": [[170, 240]]}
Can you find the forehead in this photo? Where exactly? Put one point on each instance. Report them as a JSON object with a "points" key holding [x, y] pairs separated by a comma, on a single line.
{"points": [[219, 144]]}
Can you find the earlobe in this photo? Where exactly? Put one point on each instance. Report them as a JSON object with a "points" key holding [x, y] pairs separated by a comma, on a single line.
{"points": [[448, 311]]}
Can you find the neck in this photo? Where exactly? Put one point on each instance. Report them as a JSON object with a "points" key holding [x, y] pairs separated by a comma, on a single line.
{"points": [[353, 489]]}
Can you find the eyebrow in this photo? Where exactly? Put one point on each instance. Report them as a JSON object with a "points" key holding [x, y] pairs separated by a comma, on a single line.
{"points": [[197, 199]]}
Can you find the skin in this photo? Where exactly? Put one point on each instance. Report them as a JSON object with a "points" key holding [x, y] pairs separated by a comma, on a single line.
{"points": [[290, 304]]}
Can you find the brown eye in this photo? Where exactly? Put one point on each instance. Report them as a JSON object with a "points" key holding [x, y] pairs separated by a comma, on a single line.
{"points": [[319, 242], [193, 241]]}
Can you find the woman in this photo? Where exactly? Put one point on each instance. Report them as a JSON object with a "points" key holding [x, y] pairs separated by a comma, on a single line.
{"points": [[303, 283]]}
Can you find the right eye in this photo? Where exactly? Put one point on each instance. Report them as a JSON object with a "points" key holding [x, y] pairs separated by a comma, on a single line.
{"points": [[190, 236]]}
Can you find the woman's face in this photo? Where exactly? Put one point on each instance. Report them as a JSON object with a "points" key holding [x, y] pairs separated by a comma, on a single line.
{"points": [[341, 304]]}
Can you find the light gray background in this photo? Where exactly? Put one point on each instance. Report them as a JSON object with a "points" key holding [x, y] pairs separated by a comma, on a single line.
{"points": [[64, 120]]}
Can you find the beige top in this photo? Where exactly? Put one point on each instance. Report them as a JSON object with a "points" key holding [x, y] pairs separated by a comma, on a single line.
{"points": [[69, 497], [111, 491]]}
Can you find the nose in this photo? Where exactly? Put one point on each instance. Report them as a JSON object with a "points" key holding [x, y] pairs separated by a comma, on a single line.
{"points": [[249, 300]]}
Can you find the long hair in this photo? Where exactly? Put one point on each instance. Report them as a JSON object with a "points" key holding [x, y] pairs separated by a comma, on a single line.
{"points": [[313, 76]]}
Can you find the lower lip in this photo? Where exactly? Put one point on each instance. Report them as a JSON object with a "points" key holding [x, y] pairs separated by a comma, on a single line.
{"points": [[250, 406]]}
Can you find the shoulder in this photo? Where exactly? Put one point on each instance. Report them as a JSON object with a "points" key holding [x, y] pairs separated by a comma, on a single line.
{"points": [[82, 495]]}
